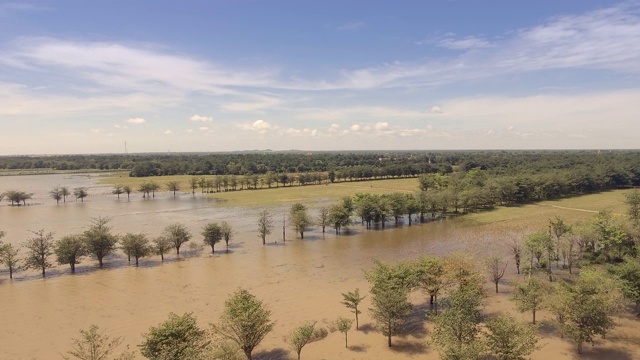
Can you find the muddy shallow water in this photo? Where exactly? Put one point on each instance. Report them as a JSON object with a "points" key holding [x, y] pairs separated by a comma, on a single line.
{"points": [[298, 280]]}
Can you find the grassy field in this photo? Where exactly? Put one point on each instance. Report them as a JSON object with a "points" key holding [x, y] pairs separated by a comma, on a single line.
{"points": [[276, 196]]}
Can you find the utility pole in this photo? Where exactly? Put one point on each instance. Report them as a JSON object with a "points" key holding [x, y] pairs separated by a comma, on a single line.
{"points": [[283, 228]]}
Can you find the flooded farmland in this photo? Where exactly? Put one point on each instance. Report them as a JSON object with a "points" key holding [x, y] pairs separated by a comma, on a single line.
{"points": [[297, 280]]}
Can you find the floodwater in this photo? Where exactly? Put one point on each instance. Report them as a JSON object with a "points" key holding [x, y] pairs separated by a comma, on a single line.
{"points": [[298, 280]]}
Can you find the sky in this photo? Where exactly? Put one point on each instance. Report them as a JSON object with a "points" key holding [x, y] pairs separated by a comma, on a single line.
{"points": [[181, 76]]}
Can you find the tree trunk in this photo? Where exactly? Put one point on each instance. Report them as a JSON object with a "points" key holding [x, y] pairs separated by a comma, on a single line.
{"points": [[43, 271], [100, 261], [11, 272], [579, 346], [212, 249], [247, 353], [534, 316], [346, 344], [136, 261], [496, 287], [389, 335], [162, 256], [73, 266], [357, 327], [302, 235]]}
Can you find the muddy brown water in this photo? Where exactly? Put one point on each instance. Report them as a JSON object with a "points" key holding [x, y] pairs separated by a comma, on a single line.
{"points": [[298, 280]]}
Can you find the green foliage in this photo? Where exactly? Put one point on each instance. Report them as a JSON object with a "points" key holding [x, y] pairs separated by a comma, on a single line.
{"points": [[610, 235], [265, 225], [227, 231], [344, 325], [507, 339], [173, 186], [304, 335], [531, 295], [632, 200], [457, 327], [69, 249], [351, 300], [629, 275], [161, 245], [9, 257], [99, 240], [212, 233], [56, 194], [178, 338], [177, 235], [496, 267], [430, 278], [96, 345], [593, 299], [244, 321], [136, 245], [16, 197], [339, 216], [299, 219], [80, 193], [39, 249]]}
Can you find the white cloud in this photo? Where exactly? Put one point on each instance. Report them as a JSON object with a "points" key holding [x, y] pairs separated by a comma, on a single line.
{"points": [[96, 131], [259, 126], [354, 25], [435, 110], [380, 126], [167, 132], [200, 118], [355, 127], [136, 121], [203, 128], [450, 41], [261, 103]]}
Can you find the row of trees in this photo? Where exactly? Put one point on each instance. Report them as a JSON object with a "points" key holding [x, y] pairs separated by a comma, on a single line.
{"points": [[98, 241]]}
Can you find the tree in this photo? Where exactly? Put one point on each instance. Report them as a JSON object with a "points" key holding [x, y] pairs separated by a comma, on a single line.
{"points": [[516, 251], [93, 344], [339, 216], [161, 245], [99, 240], [136, 245], [265, 225], [39, 248], [127, 189], [212, 233], [65, 192], [530, 296], [117, 190], [56, 194], [508, 339], [9, 257], [193, 182], [558, 229], [153, 186], [430, 274], [173, 186], [351, 300], [177, 338], [496, 267], [16, 197], [227, 231], [304, 335], [389, 309], [632, 200], [629, 275], [344, 325], [69, 249], [80, 193], [323, 218], [178, 235], [458, 325], [594, 298], [299, 219], [244, 321]]}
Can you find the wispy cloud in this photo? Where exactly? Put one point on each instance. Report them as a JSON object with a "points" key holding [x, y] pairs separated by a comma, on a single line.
{"points": [[451, 41], [350, 26], [136, 121], [200, 118]]}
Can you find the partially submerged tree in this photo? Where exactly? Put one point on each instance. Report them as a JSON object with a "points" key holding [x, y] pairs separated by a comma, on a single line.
{"points": [[496, 267], [56, 194], [39, 249], [265, 225], [9, 258], [430, 275], [80, 193], [299, 219], [127, 190], [303, 335], [344, 325], [323, 218], [69, 249], [351, 300], [390, 309], [173, 186], [94, 344], [227, 231], [531, 296], [177, 234], [507, 339], [99, 240], [629, 275], [161, 245], [136, 245], [117, 190], [179, 337], [244, 321], [212, 233]]}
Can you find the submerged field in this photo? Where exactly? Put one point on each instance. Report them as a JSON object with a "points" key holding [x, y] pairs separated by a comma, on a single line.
{"points": [[298, 280]]}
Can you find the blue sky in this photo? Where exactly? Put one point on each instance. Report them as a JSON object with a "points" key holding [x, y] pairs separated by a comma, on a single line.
{"points": [[86, 76]]}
